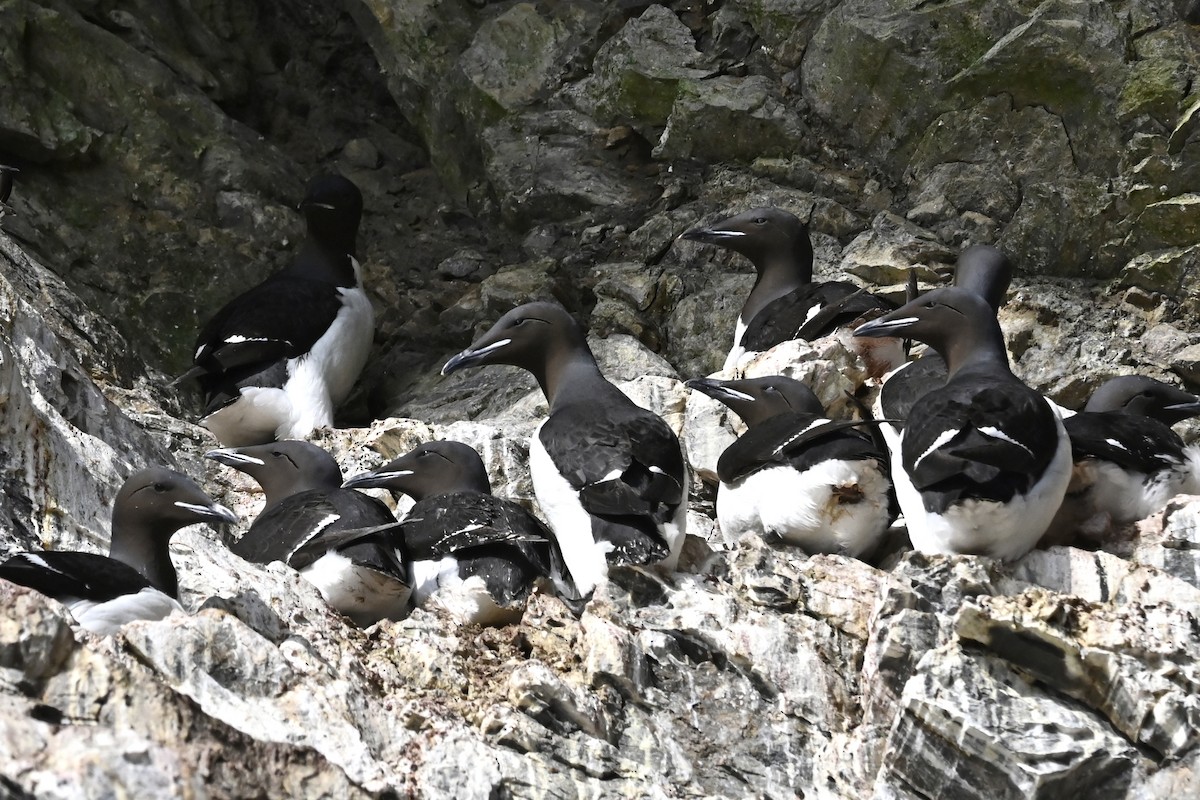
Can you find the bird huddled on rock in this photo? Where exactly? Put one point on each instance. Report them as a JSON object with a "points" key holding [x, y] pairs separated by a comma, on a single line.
{"points": [[609, 475], [476, 555], [796, 476], [1128, 461], [785, 302], [985, 459], [339, 539], [275, 361], [136, 580]]}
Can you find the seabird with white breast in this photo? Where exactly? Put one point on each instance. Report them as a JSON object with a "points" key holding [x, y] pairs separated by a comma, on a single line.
{"points": [[609, 475], [339, 539], [476, 555], [1128, 461], [985, 459], [276, 361], [796, 476], [785, 303], [136, 580]]}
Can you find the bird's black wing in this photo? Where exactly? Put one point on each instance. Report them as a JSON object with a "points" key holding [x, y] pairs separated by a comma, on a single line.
{"points": [[907, 386], [245, 342], [840, 312], [782, 318], [280, 531], [1132, 442], [798, 439], [988, 439], [87, 576]]}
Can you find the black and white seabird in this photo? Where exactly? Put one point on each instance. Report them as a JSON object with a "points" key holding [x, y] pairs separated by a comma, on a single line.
{"points": [[785, 303], [1128, 461], [981, 269], [339, 539], [609, 475], [6, 186], [985, 458], [477, 555], [795, 475], [136, 580], [276, 361]]}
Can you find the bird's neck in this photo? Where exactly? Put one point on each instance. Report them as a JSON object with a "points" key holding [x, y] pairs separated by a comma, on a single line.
{"points": [[976, 349], [320, 260], [571, 375], [778, 275], [147, 551]]}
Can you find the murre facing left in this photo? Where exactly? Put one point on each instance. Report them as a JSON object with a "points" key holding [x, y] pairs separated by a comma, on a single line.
{"points": [[474, 554], [608, 474], [136, 580], [985, 458], [981, 269], [276, 361], [785, 303], [796, 476], [339, 539]]}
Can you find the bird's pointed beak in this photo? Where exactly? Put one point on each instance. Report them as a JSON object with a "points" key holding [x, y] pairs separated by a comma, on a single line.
{"points": [[711, 234], [717, 390], [213, 512], [232, 457], [473, 356], [378, 479], [887, 325]]}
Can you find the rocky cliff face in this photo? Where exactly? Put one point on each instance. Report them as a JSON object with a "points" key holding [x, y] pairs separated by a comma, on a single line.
{"points": [[517, 150]]}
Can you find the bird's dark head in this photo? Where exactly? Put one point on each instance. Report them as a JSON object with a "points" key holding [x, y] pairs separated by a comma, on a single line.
{"points": [[955, 322], [429, 469], [986, 271], [1146, 397], [283, 468], [756, 400], [162, 501], [529, 337], [766, 236], [332, 207]]}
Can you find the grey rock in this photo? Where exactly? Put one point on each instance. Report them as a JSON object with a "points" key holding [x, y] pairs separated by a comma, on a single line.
{"points": [[551, 166], [731, 118], [637, 73]]}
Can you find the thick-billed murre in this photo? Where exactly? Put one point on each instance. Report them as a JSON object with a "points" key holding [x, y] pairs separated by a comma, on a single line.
{"points": [[136, 580], [609, 475], [985, 459], [275, 361]]}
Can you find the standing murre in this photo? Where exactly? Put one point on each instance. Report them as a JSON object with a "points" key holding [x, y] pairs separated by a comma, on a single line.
{"points": [[136, 580], [276, 361], [608, 474], [476, 555], [785, 303], [795, 475], [338, 539], [1128, 461], [985, 459]]}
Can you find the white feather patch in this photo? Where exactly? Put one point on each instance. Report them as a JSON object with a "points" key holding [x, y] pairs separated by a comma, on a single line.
{"points": [[942, 438], [996, 433]]}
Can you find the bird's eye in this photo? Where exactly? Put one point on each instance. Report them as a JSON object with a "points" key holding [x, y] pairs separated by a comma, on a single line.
{"points": [[760, 221], [277, 453], [424, 453], [160, 487]]}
